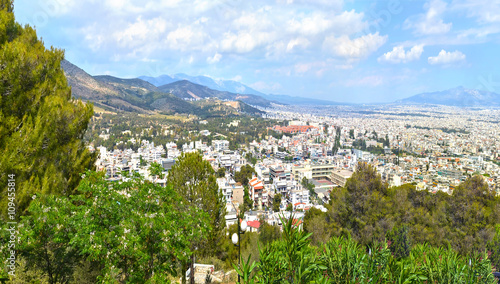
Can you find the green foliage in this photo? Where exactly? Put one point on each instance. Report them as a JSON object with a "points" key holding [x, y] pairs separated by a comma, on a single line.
{"points": [[221, 172], [44, 237], [276, 202], [194, 180], [368, 210], [247, 202], [343, 260], [251, 159], [268, 233], [245, 270], [244, 175], [306, 184], [156, 170], [41, 126], [493, 248], [315, 223], [272, 265], [130, 231], [400, 242]]}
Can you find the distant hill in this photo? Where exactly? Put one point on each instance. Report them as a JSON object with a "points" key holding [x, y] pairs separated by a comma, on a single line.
{"points": [[233, 87], [188, 90], [100, 92], [136, 95], [459, 96], [219, 85], [158, 81]]}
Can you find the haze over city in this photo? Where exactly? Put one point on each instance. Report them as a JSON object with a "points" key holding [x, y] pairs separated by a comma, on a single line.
{"points": [[345, 51]]}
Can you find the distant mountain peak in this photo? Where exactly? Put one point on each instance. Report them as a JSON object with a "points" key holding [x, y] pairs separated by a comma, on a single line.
{"points": [[459, 96]]}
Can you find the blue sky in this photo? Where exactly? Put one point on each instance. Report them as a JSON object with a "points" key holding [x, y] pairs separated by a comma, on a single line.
{"points": [[346, 51]]}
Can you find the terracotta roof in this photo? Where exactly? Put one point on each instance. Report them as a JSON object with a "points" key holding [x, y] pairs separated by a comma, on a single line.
{"points": [[253, 224]]}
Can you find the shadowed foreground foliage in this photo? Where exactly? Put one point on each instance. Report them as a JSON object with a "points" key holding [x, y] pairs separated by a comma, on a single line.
{"points": [[369, 211], [129, 232], [342, 260]]}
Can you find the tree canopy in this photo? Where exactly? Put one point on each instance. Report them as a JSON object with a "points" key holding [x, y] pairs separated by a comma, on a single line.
{"points": [[41, 126], [369, 211], [195, 181]]}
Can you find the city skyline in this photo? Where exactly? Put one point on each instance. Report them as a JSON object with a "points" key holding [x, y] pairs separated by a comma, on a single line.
{"points": [[345, 51]]}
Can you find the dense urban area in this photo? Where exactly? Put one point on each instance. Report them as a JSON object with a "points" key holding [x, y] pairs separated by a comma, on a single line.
{"points": [[432, 148]]}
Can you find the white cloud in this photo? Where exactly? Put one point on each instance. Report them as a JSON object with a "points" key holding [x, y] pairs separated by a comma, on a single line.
{"points": [[214, 59], [334, 4], [354, 48], [399, 55], [446, 58], [140, 31], [297, 43], [486, 11], [245, 41], [137, 6], [345, 23], [312, 25], [430, 22]]}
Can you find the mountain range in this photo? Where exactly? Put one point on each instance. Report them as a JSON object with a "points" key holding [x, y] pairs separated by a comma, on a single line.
{"points": [[177, 93], [459, 96], [219, 85], [137, 95], [233, 87]]}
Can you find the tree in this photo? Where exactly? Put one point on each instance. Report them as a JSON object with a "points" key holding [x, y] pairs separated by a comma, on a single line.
{"points": [[276, 202], [494, 249], [400, 244], [250, 158], [156, 170], [473, 210], [360, 208], [41, 126], [194, 179], [306, 184], [135, 230], [221, 172], [268, 233], [244, 175], [247, 201], [315, 223]]}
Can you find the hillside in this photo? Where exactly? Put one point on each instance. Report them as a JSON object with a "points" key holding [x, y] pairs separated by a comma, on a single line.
{"points": [[136, 95], [188, 90], [85, 86], [233, 87], [459, 96], [213, 107], [219, 85], [100, 90]]}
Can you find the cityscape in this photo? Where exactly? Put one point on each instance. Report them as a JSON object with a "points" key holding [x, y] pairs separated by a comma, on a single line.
{"points": [[215, 141], [434, 148]]}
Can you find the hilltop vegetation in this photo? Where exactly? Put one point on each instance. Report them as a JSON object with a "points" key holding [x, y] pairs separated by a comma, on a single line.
{"points": [[369, 211]]}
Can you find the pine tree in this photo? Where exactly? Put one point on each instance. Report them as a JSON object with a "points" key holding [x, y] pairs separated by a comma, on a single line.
{"points": [[41, 126]]}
